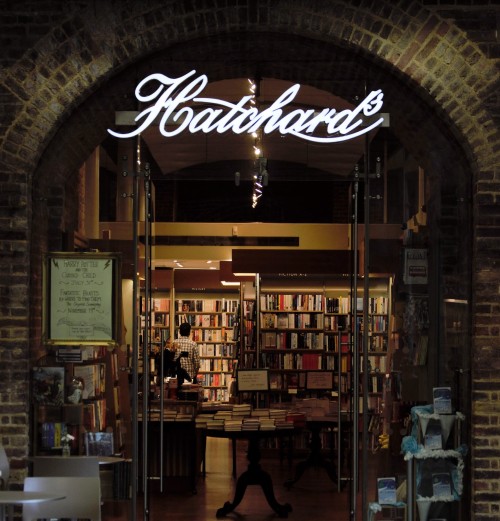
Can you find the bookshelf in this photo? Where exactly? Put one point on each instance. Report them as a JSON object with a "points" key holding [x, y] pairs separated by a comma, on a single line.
{"points": [[307, 325], [248, 336], [87, 393], [159, 320], [213, 321]]}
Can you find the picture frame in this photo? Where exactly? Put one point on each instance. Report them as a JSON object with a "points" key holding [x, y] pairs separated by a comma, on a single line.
{"points": [[250, 380], [319, 380], [81, 298], [48, 385]]}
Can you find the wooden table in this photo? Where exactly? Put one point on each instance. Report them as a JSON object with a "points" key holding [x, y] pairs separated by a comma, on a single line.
{"points": [[9, 498], [316, 457], [254, 475]]}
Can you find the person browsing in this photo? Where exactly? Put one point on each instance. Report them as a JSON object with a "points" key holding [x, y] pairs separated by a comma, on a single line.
{"points": [[186, 351]]}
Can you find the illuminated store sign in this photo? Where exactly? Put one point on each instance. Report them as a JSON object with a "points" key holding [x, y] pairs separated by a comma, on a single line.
{"points": [[173, 103]]}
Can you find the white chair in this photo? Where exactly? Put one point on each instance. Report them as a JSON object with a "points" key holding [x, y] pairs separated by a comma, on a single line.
{"points": [[82, 498], [57, 466], [4, 468]]}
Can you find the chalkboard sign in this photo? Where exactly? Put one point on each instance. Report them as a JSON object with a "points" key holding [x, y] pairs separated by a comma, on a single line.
{"points": [[252, 380], [81, 298]]}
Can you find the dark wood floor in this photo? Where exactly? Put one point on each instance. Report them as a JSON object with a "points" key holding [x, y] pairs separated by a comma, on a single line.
{"points": [[313, 496]]}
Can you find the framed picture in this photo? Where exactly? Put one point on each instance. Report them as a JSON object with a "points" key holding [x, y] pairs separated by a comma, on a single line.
{"points": [[319, 380], [252, 380], [81, 303], [48, 385]]}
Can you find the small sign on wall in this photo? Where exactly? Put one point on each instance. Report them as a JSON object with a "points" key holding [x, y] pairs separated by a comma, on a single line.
{"points": [[416, 266]]}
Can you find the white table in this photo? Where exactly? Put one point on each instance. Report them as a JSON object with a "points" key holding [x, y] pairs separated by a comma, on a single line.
{"points": [[9, 498]]}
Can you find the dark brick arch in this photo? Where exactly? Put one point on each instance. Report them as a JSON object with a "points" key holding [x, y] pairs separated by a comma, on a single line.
{"points": [[81, 54]]}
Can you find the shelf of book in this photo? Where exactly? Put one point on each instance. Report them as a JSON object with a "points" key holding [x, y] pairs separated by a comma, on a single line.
{"points": [[77, 397], [158, 321], [214, 326]]}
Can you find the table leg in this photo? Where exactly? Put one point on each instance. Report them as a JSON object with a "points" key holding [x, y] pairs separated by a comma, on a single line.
{"points": [[315, 459], [254, 475]]}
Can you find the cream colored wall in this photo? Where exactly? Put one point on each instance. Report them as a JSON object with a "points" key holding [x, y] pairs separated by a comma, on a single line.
{"points": [[311, 236]]}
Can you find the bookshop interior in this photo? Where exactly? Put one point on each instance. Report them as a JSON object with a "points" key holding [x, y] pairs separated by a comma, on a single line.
{"points": [[332, 354]]}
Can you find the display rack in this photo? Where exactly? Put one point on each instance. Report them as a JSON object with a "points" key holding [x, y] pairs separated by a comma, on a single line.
{"points": [[434, 475]]}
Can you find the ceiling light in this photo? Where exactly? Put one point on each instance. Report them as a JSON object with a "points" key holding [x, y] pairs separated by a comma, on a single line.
{"points": [[229, 283]]}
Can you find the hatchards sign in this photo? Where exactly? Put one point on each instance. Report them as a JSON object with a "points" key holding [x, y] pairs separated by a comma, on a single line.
{"points": [[81, 298], [176, 106]]}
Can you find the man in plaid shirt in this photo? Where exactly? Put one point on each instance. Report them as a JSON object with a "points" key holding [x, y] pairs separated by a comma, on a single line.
{"points": [[191, 362]]}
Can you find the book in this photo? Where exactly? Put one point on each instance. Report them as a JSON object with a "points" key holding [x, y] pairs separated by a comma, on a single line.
{"points": [[48, 385], [442, 400], [51, 433], [441, 484], [433, 436], [99, 443], [386, 488], [93, 377]]}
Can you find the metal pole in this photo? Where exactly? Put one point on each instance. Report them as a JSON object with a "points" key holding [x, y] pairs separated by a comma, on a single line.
{"points": [[339, 412], [135, 349], [355, 356], [146, 344], [409, 490], [366, 329]]}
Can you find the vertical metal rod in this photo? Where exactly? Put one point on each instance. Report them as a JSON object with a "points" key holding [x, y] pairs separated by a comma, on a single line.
{"points": [[366, 329], [145, 357], [409, 490], [161, 374], [257, 322], [135, 348], [355, 357], [339, 412], [257, 331]]}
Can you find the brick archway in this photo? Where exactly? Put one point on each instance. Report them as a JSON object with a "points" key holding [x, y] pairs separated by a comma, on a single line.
{"points": [[431, 57], [436, 78]]}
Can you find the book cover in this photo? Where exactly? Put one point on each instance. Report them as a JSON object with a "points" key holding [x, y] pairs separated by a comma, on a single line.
{"points": [[386, 488], [441, 484], [442, 400], [99, 444], [48, 385], [433, 436]]}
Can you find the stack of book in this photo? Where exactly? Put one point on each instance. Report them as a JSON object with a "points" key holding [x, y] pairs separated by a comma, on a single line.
{"points": [[297, 418], [278, 414], [260, 413], [234, 424], [202, 420], [215, 424], [267, 424], [241, 410], [250, 424]]}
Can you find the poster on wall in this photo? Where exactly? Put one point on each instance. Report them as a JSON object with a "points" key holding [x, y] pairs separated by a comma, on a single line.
{"points": [[81, 293], [416, 266]]}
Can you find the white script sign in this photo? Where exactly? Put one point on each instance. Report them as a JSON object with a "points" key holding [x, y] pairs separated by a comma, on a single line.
{"points": [[173, 100]]}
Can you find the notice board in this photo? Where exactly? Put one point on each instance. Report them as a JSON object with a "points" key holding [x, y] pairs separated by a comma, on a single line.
{"points": [[81, 298]]}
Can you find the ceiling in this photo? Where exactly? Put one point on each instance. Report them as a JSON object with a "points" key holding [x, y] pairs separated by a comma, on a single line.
{"points": [[177, 153], [188, 157]]}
